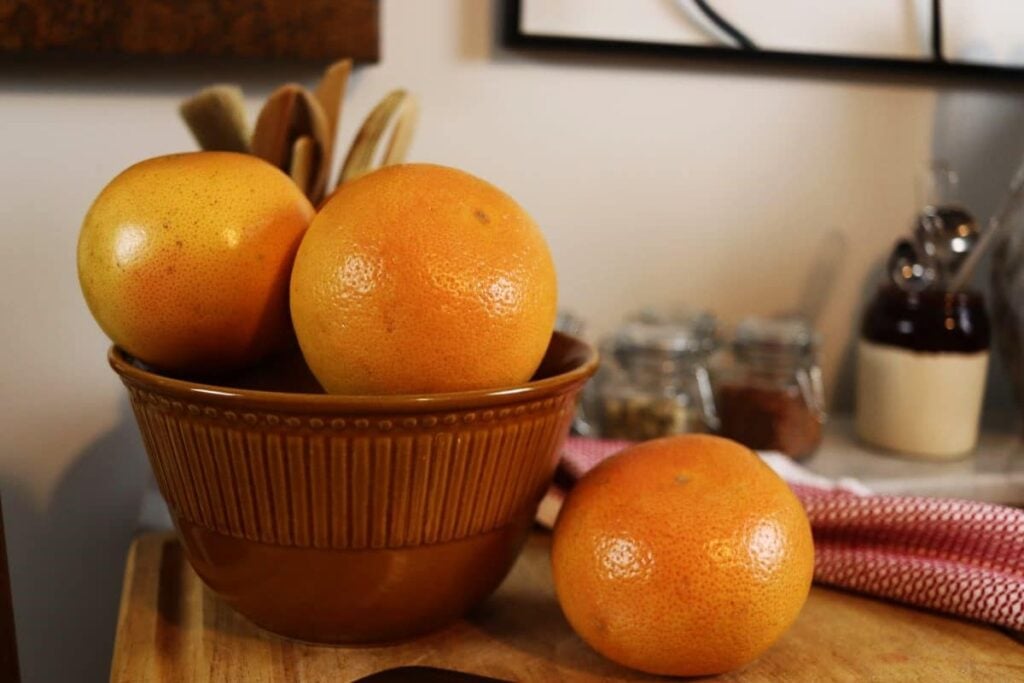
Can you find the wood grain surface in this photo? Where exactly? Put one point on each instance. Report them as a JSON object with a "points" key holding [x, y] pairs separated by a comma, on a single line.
{"points": [[172, 629], [310, 29], [9, 672]]}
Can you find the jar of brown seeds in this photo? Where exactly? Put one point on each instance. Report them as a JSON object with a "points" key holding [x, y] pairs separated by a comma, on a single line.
{"points": [[654, 379]]}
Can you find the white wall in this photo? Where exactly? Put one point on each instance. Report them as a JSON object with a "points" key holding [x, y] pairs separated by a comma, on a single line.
{"points": [[656, 183]]}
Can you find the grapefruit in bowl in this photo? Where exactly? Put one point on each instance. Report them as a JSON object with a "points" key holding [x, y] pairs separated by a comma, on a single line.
{"points": [[184, 260], [418, 279]]}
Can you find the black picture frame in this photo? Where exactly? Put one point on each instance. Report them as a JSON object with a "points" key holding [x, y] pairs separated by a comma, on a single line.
{"points": [[514, 37]]}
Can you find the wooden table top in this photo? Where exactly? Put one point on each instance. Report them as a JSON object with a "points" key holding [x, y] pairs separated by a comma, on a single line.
{"points": [[171, 628]]}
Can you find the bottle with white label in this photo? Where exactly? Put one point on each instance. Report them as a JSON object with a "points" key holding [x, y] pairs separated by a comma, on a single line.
{"points": [[922, 359]]}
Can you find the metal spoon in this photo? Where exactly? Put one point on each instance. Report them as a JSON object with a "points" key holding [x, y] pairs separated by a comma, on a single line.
{"points": [[1011, 204], [911, 268], [948, 233]]}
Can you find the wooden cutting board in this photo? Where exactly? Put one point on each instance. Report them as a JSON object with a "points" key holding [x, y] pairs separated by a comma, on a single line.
{"points": [[171, 628]]}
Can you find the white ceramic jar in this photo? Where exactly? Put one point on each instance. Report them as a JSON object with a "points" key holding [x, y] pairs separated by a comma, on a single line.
{"points": [[922, 360]]}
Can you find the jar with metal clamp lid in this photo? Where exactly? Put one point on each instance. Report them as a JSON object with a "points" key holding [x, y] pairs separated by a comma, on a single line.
{"points": [[771, 396], [654, 380]]}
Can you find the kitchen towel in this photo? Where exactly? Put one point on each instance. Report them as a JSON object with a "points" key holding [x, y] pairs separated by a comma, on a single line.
{"points": [[960, 557]]}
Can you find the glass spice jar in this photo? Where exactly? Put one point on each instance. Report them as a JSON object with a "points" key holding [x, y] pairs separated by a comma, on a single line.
{"points": [[771, 396], [654, 380]]}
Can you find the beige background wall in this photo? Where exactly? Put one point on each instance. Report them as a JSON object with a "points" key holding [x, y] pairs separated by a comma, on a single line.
{"points": [[656, 183]]}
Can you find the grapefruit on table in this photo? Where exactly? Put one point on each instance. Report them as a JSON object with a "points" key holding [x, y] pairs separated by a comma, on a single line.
{"points": [[420, 278], [682, 556], [185, 259]]}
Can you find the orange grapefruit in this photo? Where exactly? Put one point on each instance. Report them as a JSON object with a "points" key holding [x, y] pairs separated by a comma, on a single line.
{"points": [[420, 278], [184, 260], [682, 556]]}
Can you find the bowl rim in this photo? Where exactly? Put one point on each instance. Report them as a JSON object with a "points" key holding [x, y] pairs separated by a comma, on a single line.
{"points": [[133, 375]]}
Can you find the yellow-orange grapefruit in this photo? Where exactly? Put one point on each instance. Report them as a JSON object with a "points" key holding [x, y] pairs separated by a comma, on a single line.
{"points": [[420, 278], [682, 556], [185, 259]]}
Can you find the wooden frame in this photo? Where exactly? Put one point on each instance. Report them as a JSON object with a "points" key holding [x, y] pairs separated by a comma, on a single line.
{"points": [[299, 29]]}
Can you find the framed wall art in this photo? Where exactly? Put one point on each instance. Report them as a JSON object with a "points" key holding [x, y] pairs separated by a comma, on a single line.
{"points": [[967, 37]]}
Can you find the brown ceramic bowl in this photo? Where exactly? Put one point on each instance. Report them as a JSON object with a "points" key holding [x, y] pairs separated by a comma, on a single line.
{"points": [[353, 519]]}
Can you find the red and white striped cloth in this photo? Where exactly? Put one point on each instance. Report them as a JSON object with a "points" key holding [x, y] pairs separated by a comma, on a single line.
{"points": [[961, 557]]}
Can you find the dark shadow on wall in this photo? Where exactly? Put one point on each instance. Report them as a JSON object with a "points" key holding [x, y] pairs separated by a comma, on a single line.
{"points": [[846, 377], [982, 135], [67, 561]]}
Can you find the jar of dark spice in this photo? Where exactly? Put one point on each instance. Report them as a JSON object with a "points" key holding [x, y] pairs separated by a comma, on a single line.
{"points": [[770, 397], [654, 380]]}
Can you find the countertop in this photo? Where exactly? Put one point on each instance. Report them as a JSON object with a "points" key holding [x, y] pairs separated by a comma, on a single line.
{"points": [[993, 473], [171, 628]]}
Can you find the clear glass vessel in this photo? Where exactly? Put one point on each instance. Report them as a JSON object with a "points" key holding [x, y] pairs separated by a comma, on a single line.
{"points": [[654, 380], [770, 397]]}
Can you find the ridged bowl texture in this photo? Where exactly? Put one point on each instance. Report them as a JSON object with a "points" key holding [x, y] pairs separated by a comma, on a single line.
{"points": [[353, 519]]}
